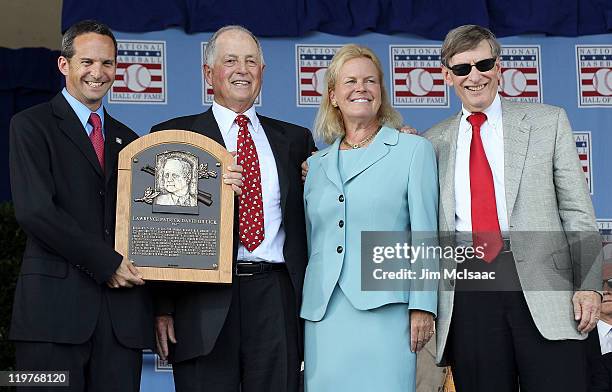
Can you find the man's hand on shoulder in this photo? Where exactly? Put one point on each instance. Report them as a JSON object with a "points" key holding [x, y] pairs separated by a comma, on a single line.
{"points": [[305, 168], [409, 130]]}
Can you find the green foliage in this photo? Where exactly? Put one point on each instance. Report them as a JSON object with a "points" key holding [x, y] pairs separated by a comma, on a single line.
{"points": [[12, 245]]}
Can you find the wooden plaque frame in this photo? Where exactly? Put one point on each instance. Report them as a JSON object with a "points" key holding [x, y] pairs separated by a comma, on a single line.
{"points": [[125, 201]]}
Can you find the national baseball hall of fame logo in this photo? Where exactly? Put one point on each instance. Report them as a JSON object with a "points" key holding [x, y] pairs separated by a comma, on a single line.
{"points": [[311, 63], [416, 77], [594, 75], [207, 91], [583, 146], [141, 73], [605, 229], [521, 78]]}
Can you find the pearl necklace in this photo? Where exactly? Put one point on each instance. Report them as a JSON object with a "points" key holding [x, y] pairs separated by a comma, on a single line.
{"points": [[361, 143]]}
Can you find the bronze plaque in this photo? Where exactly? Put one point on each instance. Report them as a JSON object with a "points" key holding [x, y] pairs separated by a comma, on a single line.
{"points": [[174, 214]]}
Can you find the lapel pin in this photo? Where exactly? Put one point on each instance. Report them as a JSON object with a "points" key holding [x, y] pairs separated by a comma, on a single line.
{"points": [[118, 140]]}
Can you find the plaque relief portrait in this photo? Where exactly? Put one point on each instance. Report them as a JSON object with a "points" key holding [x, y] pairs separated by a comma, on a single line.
{"points": [[176, 179]]}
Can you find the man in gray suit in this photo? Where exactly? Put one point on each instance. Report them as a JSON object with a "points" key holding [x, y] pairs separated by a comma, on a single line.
{"points": [[510, 172]]}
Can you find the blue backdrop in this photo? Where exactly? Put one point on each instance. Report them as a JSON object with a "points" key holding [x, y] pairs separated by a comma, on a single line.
{"points": [[568, 64]]}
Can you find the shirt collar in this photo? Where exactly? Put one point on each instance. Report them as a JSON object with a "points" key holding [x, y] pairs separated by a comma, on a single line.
{"points": [[81, 110], [493, 112], [225, 117], [603, 328]]}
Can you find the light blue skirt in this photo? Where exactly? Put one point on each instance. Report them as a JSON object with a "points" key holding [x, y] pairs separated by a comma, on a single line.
{"points": [[359, 350]]}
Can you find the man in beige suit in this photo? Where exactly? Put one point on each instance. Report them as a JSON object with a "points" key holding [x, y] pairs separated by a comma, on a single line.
{"points": [[511, 169]]}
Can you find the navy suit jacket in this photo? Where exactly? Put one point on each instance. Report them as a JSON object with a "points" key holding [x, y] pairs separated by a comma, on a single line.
{"points": [[66, 204]]}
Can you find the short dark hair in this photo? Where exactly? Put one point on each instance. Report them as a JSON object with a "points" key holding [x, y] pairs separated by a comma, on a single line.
{"points": [[84, 27]]}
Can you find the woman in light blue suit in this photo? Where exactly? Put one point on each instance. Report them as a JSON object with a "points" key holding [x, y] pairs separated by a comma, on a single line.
{"points": [[371, 178]]}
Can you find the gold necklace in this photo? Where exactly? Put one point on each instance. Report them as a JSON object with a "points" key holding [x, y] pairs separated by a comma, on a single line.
{"points": [[361, 143]]}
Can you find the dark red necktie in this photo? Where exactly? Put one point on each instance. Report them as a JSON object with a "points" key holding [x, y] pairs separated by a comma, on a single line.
{"points": [[250, 208], [96, 137], [485, 225]]}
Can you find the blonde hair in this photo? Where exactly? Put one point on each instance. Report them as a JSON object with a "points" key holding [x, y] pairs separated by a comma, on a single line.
{"points": [[328, 123]]}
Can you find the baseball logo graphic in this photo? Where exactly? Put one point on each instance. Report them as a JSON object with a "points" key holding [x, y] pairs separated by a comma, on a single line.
{"points": [[141, 73], [318, 80], [416, 77], [583, 147], [602, 81], [605, 229], [419, 82], [311, 62], [521, 73], [594, 75], [513, 82], [137, 78]]}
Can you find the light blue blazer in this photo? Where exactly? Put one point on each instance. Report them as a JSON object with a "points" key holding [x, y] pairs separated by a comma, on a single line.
{"points": [[393, 187]]}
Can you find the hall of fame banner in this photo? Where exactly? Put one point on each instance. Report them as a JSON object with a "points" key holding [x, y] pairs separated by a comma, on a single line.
{"points": [[416, 77], [594, 75], [141, 73], [584, 148], [605, 229], [208, 94], [521, 79], [311, 62]]}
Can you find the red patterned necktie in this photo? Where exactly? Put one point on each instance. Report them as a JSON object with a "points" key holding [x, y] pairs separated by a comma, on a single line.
{"points": [[485, 225], [251, 202], [96, 137]]}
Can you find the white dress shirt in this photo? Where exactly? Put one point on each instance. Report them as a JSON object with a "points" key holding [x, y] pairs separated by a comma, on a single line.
{"points": [[271, 249], [605, 336], [492, 135]]}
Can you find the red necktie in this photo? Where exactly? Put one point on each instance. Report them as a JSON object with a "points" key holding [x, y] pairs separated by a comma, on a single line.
{"points": [[250, 209], [96, 137], [485, 226]]}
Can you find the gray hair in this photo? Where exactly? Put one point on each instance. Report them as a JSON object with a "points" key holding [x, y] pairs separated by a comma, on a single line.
{"points": [[84, 27], [211, 47], [467, 37]]}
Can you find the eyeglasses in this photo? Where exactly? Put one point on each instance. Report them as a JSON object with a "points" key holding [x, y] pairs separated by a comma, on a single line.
{"points": [[465, 69]]}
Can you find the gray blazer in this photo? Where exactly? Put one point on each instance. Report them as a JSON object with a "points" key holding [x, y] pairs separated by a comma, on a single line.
{"points": [[546, 192]]}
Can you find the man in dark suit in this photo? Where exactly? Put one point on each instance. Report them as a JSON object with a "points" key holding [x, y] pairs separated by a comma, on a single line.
{"points": [[246, 334], [79, 305], [599, 342]]}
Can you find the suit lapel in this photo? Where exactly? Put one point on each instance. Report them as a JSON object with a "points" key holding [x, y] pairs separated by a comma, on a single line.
{"points": [[376, 151], [206, 124], [280, 149], [447, 151], [516, 141], [112, 146], [69, 124], [329, 164]]}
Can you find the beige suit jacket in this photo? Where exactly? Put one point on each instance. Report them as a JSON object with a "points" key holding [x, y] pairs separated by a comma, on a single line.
{"points": [[548, 206]]}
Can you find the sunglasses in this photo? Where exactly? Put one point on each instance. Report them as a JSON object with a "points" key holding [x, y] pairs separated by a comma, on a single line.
{"points": [[464, 69]]}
